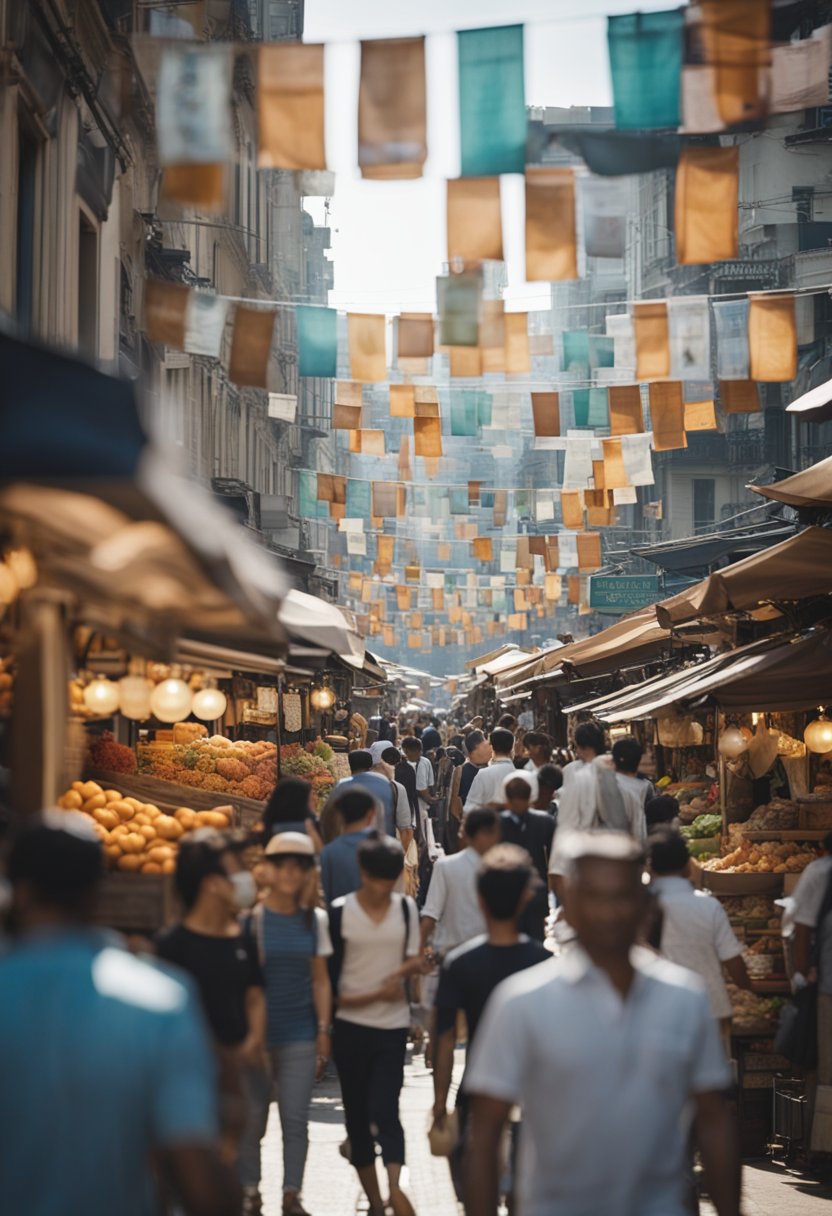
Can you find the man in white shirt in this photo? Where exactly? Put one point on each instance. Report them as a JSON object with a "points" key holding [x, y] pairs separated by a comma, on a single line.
{"points": [[626, 758], [486, 788], [452, 914], [578, 799], [607, 1049], [539, 748], [423, 769], [696, 932]]}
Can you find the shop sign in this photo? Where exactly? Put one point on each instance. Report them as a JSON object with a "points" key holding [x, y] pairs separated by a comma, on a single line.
{"points": [[622, 592]]}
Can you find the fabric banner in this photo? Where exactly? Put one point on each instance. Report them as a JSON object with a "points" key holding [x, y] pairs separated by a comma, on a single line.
{"points": [[205, 318], [589, 550], [580, 406], [358, 498], [283, 406], [464, 420], [736, 40], [482, 548], [604, 216], [552, 587], [646, 51], [165, 309], [308, 505], [415, 335], [626, 417], [626, 497], [577, 467], [332, 488], [402, 401], [652, 341], [689, 332], [492, 336], [317, 341], [637, 459], [707, 205], [484, 408], [290, 106], [700, 112], [739, 396], [372, 443], [518, 358], [346, 417], [475, 224], [800, 72], [601, 352], [598, 414], [700, 416], [772, 337], [474, 488], [392, 109], [427, 435], [546, 414], [193, 105], [619, 327], [500, 508], [623, 153], [615, 472], [366, 335], [492, 101], [251, 345], [667, 416], [458, 297], [551, 230], [347, 392], [384, 498], [732, 354], [465, 362], [575, 351]]}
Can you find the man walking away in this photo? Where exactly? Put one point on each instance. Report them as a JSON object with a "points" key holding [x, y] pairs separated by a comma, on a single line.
{"points": [[387, 764], [375, 938], [486, 788], [695, 932], [479, 753], [471, 973], [539, 748], [578, 801], [339, 859], [606, 1095], [423, 771], [549, 782], [533, 831], [626, 757], [361, 767], [104, 1057], [452, 914]]}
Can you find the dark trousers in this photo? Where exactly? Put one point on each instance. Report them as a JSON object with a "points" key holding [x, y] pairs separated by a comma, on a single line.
{"points": [[533, 919], [370, 1067]]}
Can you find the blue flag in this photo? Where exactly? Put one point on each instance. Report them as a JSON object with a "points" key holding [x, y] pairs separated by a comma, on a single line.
{"points": [[317, 341], [646, 67], [492, 101]]}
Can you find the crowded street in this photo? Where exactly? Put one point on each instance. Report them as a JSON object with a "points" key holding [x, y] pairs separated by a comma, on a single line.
{"points": [[415, 608]]}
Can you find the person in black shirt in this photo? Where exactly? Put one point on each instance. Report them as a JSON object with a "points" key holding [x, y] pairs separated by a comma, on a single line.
{"points": [[470, 973], [479, 753], [533, 831]]}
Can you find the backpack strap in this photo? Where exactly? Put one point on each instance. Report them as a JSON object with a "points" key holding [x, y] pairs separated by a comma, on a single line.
{"points": [[253, 929], [406, 915], [336, 959]]}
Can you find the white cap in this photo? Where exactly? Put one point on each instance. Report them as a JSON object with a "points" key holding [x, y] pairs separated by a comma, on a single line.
{"points": [[378, 749]]}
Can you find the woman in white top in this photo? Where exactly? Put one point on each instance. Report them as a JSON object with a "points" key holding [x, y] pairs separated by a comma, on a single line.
{"points": [[375, 937]]}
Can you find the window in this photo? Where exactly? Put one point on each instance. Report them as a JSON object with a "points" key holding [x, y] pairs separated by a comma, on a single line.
{"points": [[27, 167], [704, 503]]}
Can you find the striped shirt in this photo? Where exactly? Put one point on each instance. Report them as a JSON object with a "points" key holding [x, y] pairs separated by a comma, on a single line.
{"points": [[288, 945]]}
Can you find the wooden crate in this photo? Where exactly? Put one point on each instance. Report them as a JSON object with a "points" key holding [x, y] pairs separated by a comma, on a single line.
{"points": [[168, 795], [814, 813], [136, 903], [742, 884]]}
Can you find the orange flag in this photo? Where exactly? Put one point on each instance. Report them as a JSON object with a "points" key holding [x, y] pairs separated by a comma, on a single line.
{"points": [[492, 343], [427, 435], [372, 443], [518, 358], [551, 243], [251, 344], [465, 360], [475, 225], [290, 106], [772, 337], [736, 39], [739, 396], [165, 305], [415, 335], [667, 415], [572, 508], [546, 414], [626, 417], [392, 109], [346, 417], [366, 333], [652, 341], [482, 549], [402, 401], [615, 474], [589, 550], [700, 415], [707, 199]]}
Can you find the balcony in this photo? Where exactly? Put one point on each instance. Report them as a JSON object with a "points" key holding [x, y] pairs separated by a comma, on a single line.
{"points": [[817, 127], [706, 450]]}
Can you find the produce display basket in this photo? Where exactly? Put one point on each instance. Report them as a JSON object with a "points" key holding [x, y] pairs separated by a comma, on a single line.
{"points": [[722, 883], [136, 903], [167, 795]]}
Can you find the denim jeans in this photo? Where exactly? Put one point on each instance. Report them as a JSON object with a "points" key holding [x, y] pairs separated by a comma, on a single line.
{"points": [[290, 1085]]}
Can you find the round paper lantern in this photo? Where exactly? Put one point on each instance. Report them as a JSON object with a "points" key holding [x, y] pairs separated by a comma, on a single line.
{"points": [[135, 697], [171, 700], [101, 696], [209, 704], [818, 735], [732, 743], [322, 698]]}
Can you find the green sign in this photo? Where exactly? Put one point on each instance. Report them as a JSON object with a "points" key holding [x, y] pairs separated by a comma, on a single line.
{"points": [[623, 592]]}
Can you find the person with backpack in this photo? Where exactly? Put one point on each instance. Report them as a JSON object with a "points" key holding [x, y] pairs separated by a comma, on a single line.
{"points": [[293, 944], [376, 949]]}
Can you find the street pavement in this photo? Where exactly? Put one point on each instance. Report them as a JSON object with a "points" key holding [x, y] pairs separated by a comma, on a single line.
{"points": [[331, 1187]]}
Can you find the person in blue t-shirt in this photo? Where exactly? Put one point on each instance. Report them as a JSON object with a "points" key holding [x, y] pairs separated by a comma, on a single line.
{"points": [[293, 945], [340, 874], [105, 1062]]}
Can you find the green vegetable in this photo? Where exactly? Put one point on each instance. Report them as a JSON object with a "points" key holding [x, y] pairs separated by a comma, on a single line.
{"points": [[702, 826]]}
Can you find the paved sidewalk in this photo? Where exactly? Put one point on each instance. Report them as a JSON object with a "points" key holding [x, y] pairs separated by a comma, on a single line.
{"points": [[774, 1190]]}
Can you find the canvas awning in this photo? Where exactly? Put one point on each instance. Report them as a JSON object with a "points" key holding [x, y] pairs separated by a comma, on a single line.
{"points": [[322, 624], [813, 406], [702, 552], [810, 488], [795, 569]]}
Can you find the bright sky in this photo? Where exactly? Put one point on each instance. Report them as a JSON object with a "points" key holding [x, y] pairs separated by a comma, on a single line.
{"points": [[389, 237]]}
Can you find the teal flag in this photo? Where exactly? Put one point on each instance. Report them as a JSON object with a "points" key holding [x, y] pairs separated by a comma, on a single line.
{"points": [[459, 502], [492, 101], [575, 349], [308, 504], [458, 300], [358, 499], [317, 341], [598, 412], [601, 351], [484, 407], [464, 413], [487, 498], [580, 400], [646, 67]]}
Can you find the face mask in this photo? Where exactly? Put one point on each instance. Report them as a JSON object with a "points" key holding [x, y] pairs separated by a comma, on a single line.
{"points": [[245, 889]]}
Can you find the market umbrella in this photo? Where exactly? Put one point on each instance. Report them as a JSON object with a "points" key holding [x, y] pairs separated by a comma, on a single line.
{"points": [[797, 568], [815, 405], [810, 488]]}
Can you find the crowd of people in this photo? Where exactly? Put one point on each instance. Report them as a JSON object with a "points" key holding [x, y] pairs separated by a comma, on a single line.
{"points": [[472, 888]]}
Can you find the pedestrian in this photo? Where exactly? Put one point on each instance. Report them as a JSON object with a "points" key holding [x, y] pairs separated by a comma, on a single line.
{"points": [[452, 914], [505, 722], [578, 800], [812, 915], [293, 944], [661, 809], [695, 930], [431, 738], [486, 787], [539, 749], [479, 753], [635, 790], [214, 886], [549, 782], [387, 760], [290, 809], [423, 772], [533, 831], [356, 809], [608, 1049], [361, 764], [375, 935], [505, 884], [105, 1059]]}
